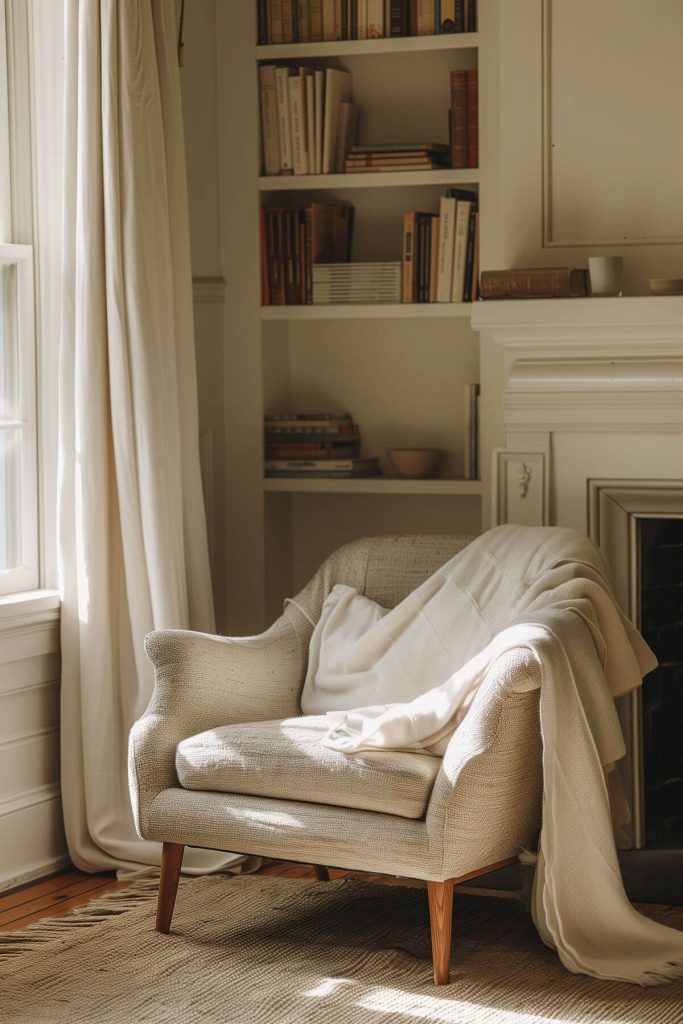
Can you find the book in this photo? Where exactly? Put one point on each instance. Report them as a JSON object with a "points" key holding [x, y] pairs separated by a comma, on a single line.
{"points": [[319, 114], [265, 288], [469, 259], [425, 17], [471, 8], [275, 31], [307, 417], [329, 450], [346, 133], [310, 121], [424, 227], [275, 265], [284, 124], [534, 283], [392, 165], [287, 21], [315, 21], [397, 19], [376, 18], [434, 259], [304, 30], [308, 467], [458, 119], [448, 16], [337, 91], [297, 115], [447, 211], [262, 22], [462, 222], [328, 20], [389, 147], [472, 89], [330, 232], [409, 261], [362, 23], [269, 120]]}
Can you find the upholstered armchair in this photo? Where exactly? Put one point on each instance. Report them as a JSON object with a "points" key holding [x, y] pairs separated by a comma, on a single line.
{"points": [[223, 759]]}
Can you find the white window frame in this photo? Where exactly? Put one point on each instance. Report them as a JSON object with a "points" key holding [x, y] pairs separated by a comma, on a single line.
{"points": [[25, 575]]}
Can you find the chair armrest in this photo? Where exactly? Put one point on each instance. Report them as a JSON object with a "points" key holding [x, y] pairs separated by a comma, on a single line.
{"points": [[486, 801], [204, 681]]}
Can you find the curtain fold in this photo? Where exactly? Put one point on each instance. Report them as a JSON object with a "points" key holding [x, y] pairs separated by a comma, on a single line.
{"points": [[133, 552]]}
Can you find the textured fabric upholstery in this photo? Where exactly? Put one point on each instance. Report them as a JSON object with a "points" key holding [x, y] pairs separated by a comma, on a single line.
{"points": [[286, 759], [205, 683]]}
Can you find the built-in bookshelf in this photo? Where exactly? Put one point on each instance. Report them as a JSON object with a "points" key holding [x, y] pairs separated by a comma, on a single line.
{"points": [[402, 369]]}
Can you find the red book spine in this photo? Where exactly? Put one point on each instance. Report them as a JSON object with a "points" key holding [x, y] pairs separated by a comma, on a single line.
{"points": [[458, 118], [472, 118]]}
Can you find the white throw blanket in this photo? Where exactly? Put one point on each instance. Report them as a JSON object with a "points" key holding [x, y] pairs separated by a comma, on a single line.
{"points": [[545, 590]]}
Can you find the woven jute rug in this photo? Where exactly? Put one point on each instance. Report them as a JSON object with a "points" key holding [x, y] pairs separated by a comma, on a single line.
{"points": [[261, 950]]}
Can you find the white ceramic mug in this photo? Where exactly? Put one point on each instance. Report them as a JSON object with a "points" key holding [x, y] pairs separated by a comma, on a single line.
{"points": [[605, 274]]}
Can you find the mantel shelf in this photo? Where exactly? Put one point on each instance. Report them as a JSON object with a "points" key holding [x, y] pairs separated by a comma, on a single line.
{"points": [[382, 179], [397, 311], [375, 485], [360, 47]]}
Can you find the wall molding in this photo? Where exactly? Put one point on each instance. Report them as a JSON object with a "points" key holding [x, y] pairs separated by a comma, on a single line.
{"points": [[23, 799], [208, 289], [18, 739], [49, 867]]}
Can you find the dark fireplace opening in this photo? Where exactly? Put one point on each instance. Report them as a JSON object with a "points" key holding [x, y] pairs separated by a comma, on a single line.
{"points": [[661, 623]]}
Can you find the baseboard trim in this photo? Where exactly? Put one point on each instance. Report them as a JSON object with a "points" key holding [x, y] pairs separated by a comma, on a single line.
{"points": [[44, 870]]}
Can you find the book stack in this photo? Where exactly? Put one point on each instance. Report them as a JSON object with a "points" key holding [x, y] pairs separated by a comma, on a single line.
{"points": [[472, 467], [308, 120], [314, 445], [400, 156], [292, 241], [349, 283], [535, 283], [441, 252], [464, 118], [311, 21]]}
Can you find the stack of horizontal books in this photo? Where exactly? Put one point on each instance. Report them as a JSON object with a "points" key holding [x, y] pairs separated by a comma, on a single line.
{"points": [[349, 283], [314, 445], [398, 156]]}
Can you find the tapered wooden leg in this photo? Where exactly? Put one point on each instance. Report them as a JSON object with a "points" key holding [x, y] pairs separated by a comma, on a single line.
{"points": [[171, 862], [441, 924], [321, 873]]}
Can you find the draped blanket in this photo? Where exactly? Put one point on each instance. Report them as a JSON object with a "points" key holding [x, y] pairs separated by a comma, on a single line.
{"points": [[514, 587]]}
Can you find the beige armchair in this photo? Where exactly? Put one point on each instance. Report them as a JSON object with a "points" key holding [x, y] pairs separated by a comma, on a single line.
{"points": [[223, 759]]}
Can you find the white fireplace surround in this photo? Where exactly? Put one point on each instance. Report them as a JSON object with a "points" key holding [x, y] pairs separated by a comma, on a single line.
{"points": [[583, 424]]}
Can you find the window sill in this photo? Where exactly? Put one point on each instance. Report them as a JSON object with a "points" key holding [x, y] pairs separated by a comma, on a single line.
{"points": [[30, 608]]}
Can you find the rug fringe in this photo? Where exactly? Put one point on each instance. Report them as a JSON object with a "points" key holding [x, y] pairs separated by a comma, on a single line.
{"points": [[111, 904]]}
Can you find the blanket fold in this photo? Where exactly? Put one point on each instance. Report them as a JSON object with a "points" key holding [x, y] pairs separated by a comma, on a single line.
{"points": [[405, 678]]}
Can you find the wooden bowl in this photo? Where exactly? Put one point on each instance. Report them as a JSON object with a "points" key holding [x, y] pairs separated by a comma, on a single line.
{"points": [[666, 285], [414, 463]]}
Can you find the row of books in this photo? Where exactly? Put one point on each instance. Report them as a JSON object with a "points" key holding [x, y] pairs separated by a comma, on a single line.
{"points": [[441, 252], [292, 241], [399, 156], [312, 21], [464, 118], [314, 445], [308, 120]]}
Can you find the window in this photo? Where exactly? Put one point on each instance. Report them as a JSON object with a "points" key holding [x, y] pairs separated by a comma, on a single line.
{"points": [[18, 442], [18, 485]]}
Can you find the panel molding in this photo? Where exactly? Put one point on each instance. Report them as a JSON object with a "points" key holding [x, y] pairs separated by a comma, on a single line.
{"points": [[208, 289], [22, 799], [549, 241]]}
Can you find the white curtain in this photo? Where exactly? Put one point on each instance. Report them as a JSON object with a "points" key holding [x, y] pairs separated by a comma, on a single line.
{"points": [[132, 537]]}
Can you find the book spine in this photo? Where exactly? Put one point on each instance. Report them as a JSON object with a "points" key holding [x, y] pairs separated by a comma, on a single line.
{"points": [[265, 290], [269, 120], [447, 208], [284, 129], [458, 119], [295, 21], [276, 288], [448, 16], [437, 17], [459, 15], [536, 283], [297, 113], [310, 121], [469, 258], [315, 21], [408, 260], [275, 21], [434, 259], [338, 4], [304, 21], [425, 17], [412, 17], [262, 21], [287, 22], [319, 109], [328, 8], [346, 19], [396, 19], [472, 16], [462, 222], [362, 19], [472, 87]]}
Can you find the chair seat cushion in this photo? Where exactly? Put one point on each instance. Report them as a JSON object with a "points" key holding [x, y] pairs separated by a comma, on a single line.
{"points": [[285, 759]]}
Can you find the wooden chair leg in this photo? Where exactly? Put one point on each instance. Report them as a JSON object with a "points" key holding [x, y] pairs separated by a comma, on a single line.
{"points": [[441, 924], [321, 873], [171, 862]]}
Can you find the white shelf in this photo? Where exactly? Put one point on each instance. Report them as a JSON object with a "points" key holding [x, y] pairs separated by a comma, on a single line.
{"points": [[359, 47], [402, 311], [375, 485], [380, 179]]}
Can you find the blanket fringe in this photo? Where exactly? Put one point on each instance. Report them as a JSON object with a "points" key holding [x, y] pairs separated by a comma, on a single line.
{"points": [[111, 904]]}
